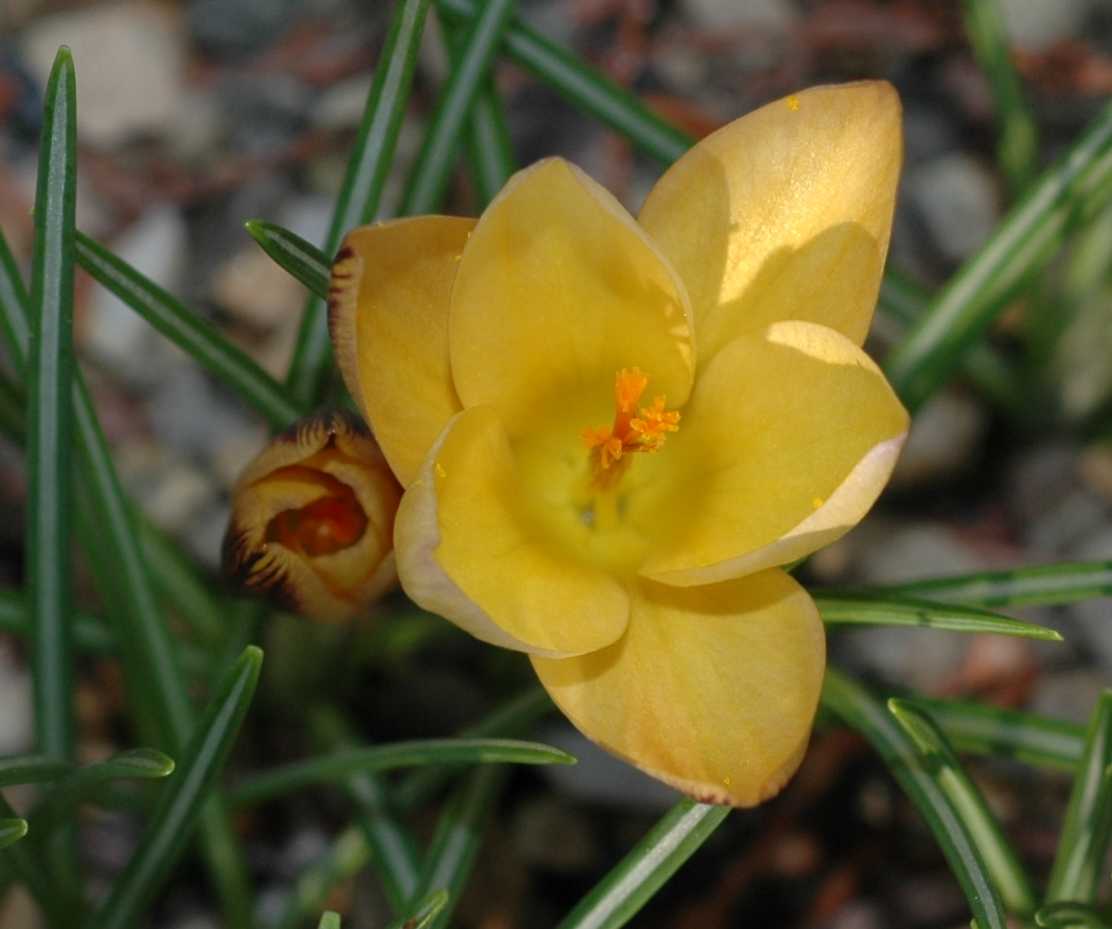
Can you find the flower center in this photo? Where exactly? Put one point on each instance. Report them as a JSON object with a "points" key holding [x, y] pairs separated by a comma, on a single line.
{"points": [[633, 429], [323, 527]]}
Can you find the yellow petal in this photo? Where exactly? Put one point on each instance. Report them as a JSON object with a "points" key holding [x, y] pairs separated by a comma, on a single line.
{"points": [[712, 689], [388, 314], [790, 436], [313, 517], [559, 289], [785, 213], [469, 550]]}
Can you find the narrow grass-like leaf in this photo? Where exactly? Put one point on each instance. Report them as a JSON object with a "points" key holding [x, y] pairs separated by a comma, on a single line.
{"points": [[513, 718], [430, 172], [329, 920], [19, 859], [154, 678], [978, 729], [424, 912], [967, 304], [32, 769], [11, 831], [1042, 584], [78, 786], [14, 326], [347, 856], [583, 86], [299, 258], [393, 848], [1083, 846], [48, 414], [459, 833], [616, 899], [180, 805], [1069, 916], [1001, 861], [861, 711], [838, 610], [326, 768], [189, 332], [1017, 143], [358, 201]]}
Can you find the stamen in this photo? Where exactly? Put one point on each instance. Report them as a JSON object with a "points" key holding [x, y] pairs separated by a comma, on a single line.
{"points": [[644, 432]]}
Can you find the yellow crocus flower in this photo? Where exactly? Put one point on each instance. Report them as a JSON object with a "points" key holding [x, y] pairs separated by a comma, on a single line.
{"points": [[612, 432]]}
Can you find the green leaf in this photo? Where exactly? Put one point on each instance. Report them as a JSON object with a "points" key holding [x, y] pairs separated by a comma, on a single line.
{"points": [[300, 259], [424, 912], [1017, 146], [346, 857], [513, 718], [15, 326], [429, 175], [978, 729], [181, 802], [80, 784], [392, 847], [1069, 916], [1083, 846], [965, 307], [11, 831], [19, 859], [1001, 861], [1042, 584], [860, 710], [337, 766], [193, 335], [583, 86], [48, 414], [839, 610], [459, 833], [329, 920], [616, 899], [367, 169], [32, 769]]}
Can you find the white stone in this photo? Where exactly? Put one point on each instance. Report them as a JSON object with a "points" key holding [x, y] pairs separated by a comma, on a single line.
{"points": [[770, 16], [130, 60], [957, 197], [1037, 24]]}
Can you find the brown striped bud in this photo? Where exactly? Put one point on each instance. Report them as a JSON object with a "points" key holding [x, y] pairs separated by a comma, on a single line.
{"points": [[312, 519]]}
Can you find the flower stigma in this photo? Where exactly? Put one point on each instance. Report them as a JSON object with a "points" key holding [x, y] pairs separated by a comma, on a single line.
{"points": [[633, 430], [325, 526]]}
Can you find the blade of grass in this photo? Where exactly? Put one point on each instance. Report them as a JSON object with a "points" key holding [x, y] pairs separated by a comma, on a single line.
{"points": [[193, 335], [863, 712], [584, 87], [975, 728], [423, 913], [329, 920], [617, 898], [327, 768], [392, 847], [58, 905], [1083, 846], [1001, 861], [1017, 145], [15, 327], [838, 610], [108, 536], [429, 175], [454, 845], [1069, 916], [965, 307], [48, 414], [32, 769], [302, 260], [371, 158], [79, 785], [11, 831], [513, 718], [347, 856], [1042, 584], [180, 805]]}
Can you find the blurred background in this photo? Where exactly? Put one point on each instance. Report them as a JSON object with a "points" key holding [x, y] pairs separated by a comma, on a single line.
{"points": [[196, 115]]}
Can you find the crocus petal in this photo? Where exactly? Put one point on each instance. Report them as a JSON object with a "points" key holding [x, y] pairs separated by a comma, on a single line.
{"points": [[557, 290], [784, 213], [469, 550], [790, 435], [711, 689], [388, 314]]}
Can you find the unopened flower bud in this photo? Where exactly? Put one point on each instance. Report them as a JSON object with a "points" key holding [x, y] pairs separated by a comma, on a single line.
{"points": [[312, 519]]}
